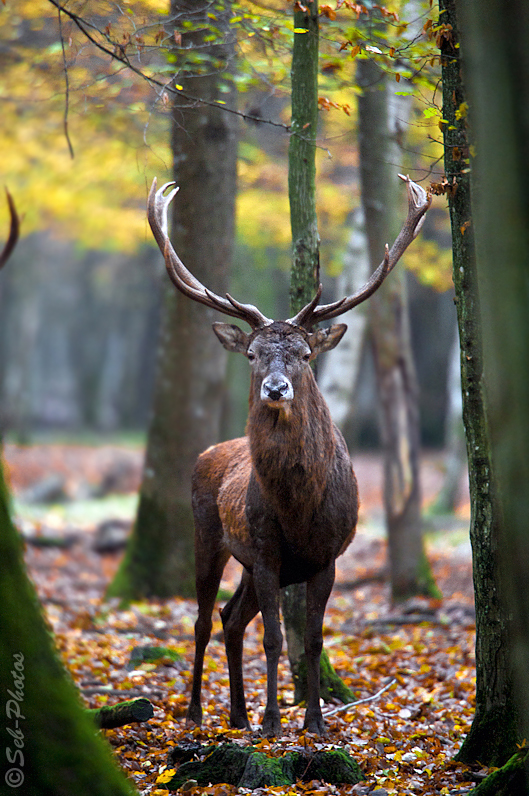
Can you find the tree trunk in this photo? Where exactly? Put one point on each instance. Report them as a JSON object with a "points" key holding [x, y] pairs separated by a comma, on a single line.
{"points": [[305, 275], [191, 366], [491, 739], [455, 440], [496, 72], [340, 369], [389, 327], [47, 737]]}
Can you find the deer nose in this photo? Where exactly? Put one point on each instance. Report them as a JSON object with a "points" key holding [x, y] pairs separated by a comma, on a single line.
{"points": [[276, 388]]}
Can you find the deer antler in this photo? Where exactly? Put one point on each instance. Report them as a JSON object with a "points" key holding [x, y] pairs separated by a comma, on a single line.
{"points": [[418, 203], [14, 231], [183, 279]]}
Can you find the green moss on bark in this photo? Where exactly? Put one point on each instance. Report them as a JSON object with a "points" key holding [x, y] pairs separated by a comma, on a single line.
{"points": [[510, 780], [157, 562], [49, 740], [331, 685], [492, 737]]}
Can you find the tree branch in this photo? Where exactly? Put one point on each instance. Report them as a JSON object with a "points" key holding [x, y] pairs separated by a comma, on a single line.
{"points": [[67, 85], [119, 54]]}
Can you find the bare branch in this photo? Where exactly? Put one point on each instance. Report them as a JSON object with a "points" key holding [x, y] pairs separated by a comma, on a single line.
{"points": [[119, 54], [67, 93]]}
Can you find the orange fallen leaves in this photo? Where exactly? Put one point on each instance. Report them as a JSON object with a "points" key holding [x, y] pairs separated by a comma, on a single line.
{"points": [[404, 740]]}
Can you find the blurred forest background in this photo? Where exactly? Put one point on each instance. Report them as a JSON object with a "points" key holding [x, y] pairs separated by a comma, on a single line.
{"points": [[82, 137]]}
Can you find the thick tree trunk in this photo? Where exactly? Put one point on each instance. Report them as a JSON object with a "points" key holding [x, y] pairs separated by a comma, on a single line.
{"points": [[390, 334], [496, 72], [492, 736], [191, 366], [48, 740]]}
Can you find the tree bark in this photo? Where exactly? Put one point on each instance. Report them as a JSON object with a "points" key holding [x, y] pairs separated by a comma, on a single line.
{"points": [[339, 373], [305, 275], [455, 440], [410, 572], [50, 747], [496, 72], [186, 416], [492, 736]]}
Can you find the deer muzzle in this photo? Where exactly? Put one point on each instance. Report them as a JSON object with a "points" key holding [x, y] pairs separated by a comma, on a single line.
{"points": [[276, 388]]}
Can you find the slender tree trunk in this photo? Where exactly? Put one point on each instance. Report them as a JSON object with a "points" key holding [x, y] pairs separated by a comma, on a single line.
{"points": [[159, 560], [390, 334], [455, 440], [304, 282], [49, 747], [492, 295]]}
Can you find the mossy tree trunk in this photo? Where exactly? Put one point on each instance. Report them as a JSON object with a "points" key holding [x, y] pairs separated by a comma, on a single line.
{"points": [[492, 736], [186, 414], [496, 77], [49, 744], [378, 134], [305, 275]]}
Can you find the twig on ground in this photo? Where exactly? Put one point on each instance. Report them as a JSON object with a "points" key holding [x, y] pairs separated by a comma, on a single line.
{"points": [[360, 701]]}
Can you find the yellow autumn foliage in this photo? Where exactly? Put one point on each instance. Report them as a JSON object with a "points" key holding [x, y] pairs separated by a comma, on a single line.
{"points": [[118, 126]]}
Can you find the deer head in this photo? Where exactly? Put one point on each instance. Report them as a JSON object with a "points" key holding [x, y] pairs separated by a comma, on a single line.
{"points": [[279, 352]]}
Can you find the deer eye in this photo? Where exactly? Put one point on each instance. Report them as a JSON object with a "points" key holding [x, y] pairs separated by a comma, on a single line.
{"points": [[306, 357], [251, 356]]}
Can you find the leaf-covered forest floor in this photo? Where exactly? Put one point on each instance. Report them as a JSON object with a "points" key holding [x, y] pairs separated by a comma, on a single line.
{"points": [[404, 738]]}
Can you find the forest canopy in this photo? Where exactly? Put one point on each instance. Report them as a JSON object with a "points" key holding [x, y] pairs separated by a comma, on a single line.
{"points": [[87, 91]]}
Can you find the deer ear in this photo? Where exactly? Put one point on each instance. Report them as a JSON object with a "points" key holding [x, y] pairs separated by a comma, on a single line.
{"points": [[326, 339], [231, 337]]}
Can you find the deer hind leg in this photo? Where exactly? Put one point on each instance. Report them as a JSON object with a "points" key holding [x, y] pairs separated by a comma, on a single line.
{"points": [[319, 589], [209, 565], [236, 615]]}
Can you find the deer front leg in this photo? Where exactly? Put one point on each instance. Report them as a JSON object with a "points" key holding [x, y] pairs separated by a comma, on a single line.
{"points": [[266, 579], [209, 567], [319, 589], [236, 615]]}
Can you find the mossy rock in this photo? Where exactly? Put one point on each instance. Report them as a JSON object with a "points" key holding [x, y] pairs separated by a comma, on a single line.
{"points": [[151, 654], [251, 768], [224, 763]]}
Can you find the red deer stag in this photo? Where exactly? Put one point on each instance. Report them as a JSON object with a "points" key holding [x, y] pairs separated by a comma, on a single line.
{"points": [[13, 231], [283, 499]]}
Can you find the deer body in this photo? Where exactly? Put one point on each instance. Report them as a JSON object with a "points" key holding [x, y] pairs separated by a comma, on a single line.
{"points": [[282, 500]]}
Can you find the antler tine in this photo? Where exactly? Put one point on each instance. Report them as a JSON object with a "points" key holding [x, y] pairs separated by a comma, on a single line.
{"points": [[14, 231], [418, 203], [182, 278]]}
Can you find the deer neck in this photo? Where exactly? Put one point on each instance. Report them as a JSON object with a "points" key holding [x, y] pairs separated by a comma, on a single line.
{"points": [[292, 448]]}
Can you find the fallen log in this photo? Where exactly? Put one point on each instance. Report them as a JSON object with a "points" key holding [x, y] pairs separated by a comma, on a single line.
{"points": [[129, 712]]}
